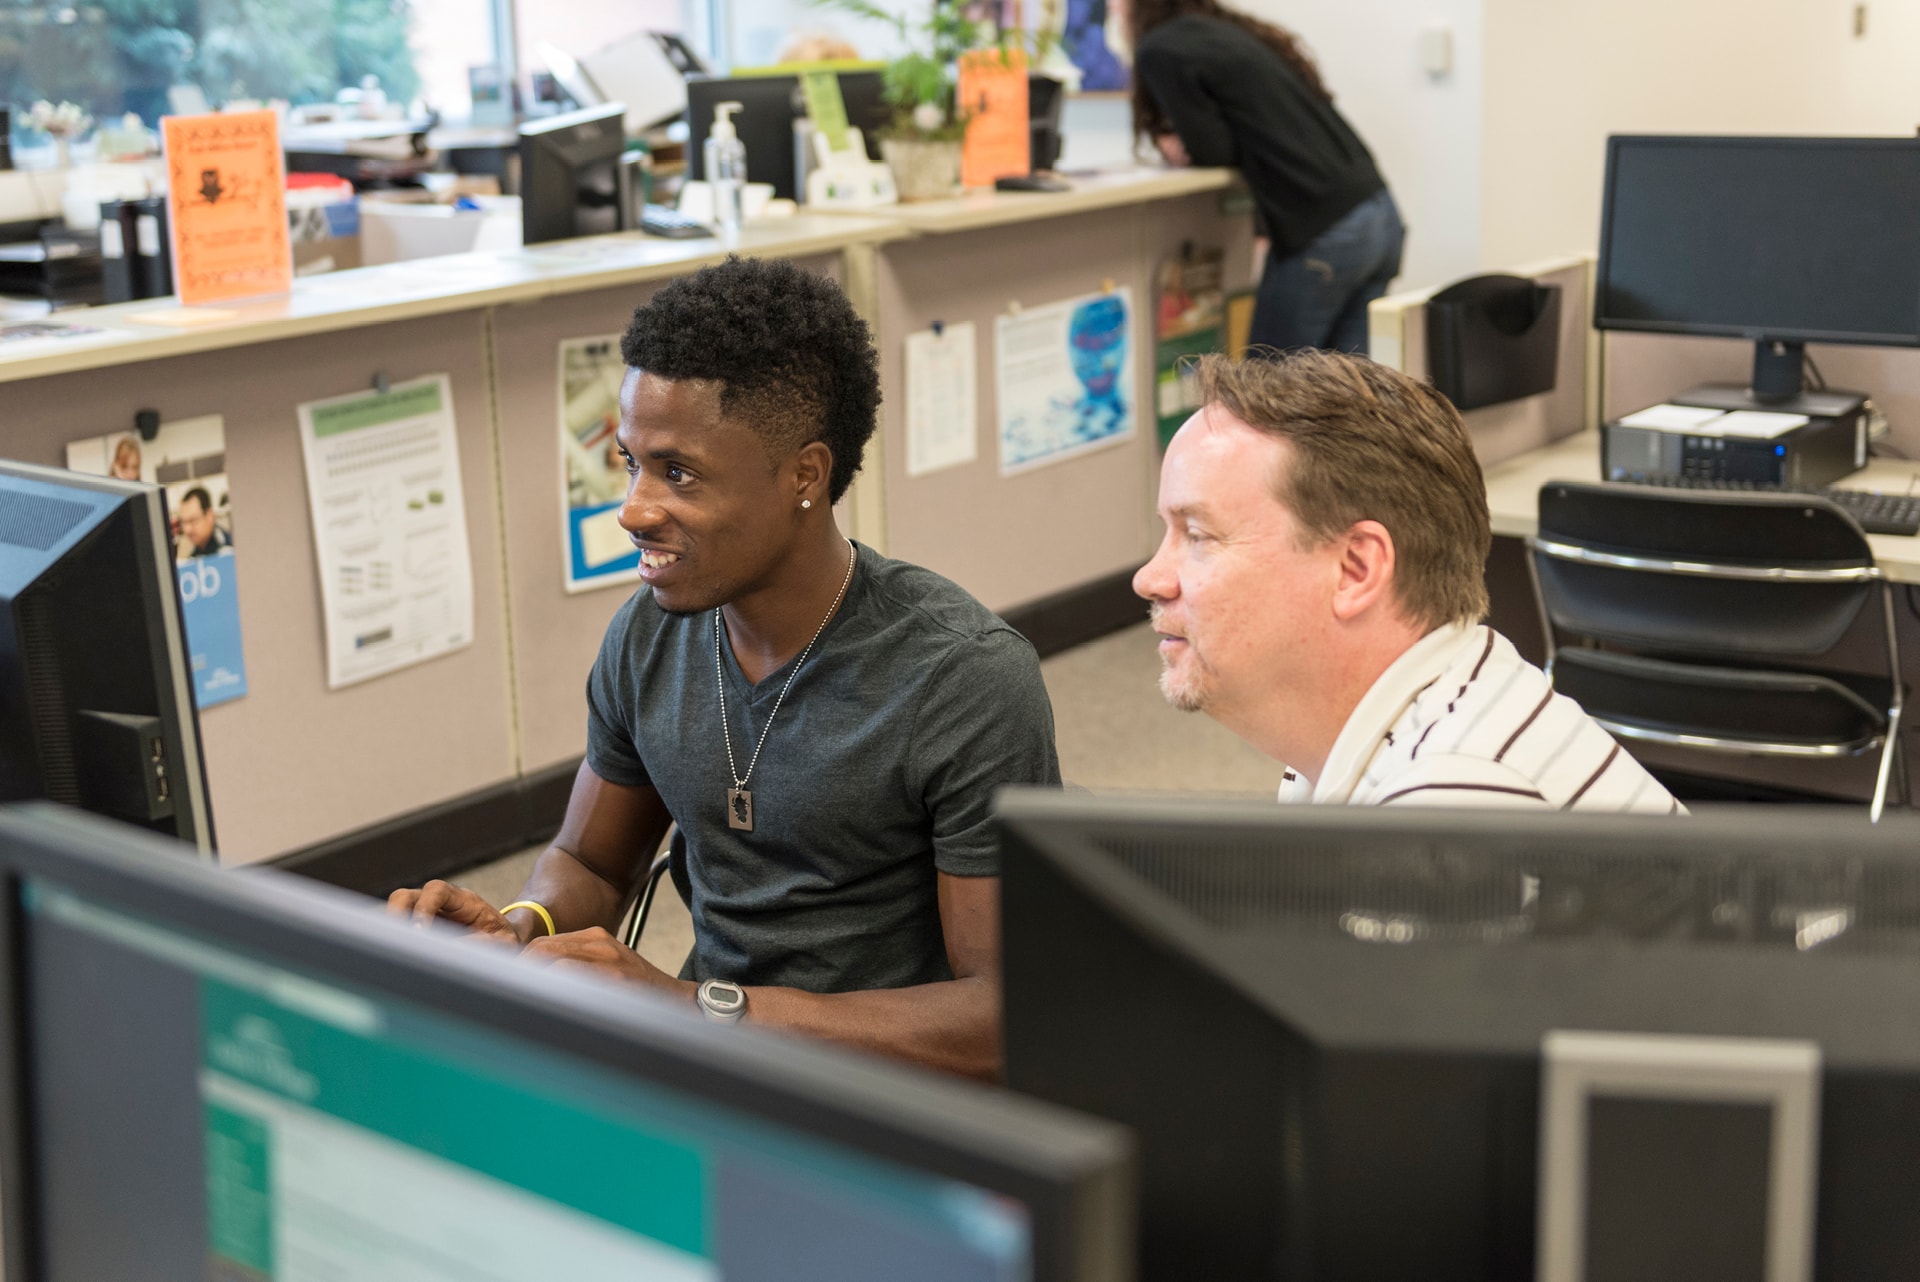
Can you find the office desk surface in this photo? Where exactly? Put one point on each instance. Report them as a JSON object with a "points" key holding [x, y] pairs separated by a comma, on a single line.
{"points": [[982, 209], [1513, 494], [414, 289]]}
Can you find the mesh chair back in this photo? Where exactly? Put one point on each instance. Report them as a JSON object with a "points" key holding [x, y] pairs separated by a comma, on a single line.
{"points": [[1629, 564]]}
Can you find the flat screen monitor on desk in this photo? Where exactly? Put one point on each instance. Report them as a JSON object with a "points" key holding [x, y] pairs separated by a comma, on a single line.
{"points": [[246, 1075], [768, 107], [1783, 241], [1333, 1029], [96, 695], [571, 179]]}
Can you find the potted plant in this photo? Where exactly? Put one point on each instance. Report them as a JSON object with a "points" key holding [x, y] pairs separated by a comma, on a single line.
{"points": [[922, 142]]}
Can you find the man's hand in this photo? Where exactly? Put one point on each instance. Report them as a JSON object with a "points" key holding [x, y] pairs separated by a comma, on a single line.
{"points": [[1172, 150], [596, 949], [447, 902]]}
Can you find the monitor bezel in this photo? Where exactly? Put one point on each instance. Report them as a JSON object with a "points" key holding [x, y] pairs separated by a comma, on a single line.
{"points": [[148, 504], [1616, 143], [1064, 1166], [542, 146]]}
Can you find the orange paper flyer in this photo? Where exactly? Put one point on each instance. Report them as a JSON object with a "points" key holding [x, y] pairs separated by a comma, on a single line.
{"points": [[227, 199], [993, 96]]}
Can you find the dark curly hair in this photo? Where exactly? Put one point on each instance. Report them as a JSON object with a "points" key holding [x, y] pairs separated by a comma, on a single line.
{"points": [[794, 361]]}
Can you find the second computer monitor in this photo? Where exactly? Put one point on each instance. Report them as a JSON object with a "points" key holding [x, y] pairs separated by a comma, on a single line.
{"points": [[1783, 241]]}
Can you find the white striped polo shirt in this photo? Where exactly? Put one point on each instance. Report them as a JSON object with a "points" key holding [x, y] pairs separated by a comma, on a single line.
{"points": [[1461, 719]]}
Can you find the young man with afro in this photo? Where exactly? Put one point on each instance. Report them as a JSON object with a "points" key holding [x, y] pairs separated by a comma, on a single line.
{"points": [[825, 726]]}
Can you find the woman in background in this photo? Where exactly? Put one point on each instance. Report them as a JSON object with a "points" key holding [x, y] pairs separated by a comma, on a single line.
{"points": [[1212, 86]]}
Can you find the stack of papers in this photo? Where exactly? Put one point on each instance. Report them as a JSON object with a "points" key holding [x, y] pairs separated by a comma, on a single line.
{"points": [[1695, 421]]}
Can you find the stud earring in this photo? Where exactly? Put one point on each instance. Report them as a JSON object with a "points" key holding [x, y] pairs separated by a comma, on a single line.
{"points": [[806, 502]]}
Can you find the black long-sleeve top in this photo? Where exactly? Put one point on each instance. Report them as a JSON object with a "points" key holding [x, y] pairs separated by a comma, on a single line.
{"points": [[1233, 101]]}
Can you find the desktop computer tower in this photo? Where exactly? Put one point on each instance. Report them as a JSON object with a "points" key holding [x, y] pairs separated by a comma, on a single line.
{"points": [[1831, 444]]}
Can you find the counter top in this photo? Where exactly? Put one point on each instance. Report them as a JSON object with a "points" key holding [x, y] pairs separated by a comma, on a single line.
{"points": [[157, 328], [410, 290], [982, 209]]}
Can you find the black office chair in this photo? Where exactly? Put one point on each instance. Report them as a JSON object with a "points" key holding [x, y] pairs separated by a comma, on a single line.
{"points": [[1692, 618]]}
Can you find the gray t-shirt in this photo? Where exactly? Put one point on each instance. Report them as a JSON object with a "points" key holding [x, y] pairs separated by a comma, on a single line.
{"points": [[915, 704]]}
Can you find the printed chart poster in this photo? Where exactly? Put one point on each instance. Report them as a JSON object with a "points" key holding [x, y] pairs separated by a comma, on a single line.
{"points": [[227, 202], [598, 550], [390, 527], [1065, 379], [188, 459]]}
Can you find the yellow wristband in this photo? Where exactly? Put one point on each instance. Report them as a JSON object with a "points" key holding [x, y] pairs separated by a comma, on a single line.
{"points": [[545, 916]]}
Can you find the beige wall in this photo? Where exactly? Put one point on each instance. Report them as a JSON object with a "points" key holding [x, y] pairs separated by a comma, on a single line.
{"points": [[1560, 75], [1424, 130]]}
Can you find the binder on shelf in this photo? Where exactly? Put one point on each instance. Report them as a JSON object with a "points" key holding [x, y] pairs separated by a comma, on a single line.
{"points": [[1492, 339], [116, 251], [153, 256]]}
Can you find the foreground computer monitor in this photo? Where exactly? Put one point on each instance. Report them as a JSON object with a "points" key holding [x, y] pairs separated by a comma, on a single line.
{"points": [[1781, 241], [1363, 1043], [242, 1075], [572, 182], [96, 692]]}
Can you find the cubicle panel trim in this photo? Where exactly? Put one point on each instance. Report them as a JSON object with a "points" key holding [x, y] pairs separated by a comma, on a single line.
{"points": [[437, 841], [416, 290]]}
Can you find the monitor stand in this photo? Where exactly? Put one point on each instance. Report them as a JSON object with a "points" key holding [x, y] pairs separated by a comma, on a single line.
{"points": [[1777, 387], [1832, 403]]}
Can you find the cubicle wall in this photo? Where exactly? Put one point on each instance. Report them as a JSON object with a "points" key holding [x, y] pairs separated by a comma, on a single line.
{"points": [[1397, 336], [1013, 540], [293, 762]]}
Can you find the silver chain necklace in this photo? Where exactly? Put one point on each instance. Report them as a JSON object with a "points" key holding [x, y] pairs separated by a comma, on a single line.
{"points": [[739, 800]]}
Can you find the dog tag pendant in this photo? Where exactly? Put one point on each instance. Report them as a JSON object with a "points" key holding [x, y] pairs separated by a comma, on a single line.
{"points": [[740, 809]]}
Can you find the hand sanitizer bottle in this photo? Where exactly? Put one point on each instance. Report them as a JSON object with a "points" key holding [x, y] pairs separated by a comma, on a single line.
{"points": [[726, 168]]}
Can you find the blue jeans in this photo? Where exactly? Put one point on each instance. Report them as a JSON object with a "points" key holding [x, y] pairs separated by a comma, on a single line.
{"points": [[1318, 297]]}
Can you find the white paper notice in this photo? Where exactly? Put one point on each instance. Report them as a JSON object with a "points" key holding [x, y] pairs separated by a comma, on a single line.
{"points": [[942, 417], [1671, 418], [390, 524]]}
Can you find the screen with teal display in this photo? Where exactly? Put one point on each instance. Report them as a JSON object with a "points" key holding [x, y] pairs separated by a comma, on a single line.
{"points": [[209, 1114]]}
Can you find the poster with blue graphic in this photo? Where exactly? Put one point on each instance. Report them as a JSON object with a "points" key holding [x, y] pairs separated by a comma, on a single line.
{"points": [[598, 551], [188, 459], [1065, 378]]}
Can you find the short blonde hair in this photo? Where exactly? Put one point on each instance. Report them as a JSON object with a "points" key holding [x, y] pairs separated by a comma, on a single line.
{"points": [[1369, 443]]}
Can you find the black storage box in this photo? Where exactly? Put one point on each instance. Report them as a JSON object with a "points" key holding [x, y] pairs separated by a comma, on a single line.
{"points": [[1492, 339]]}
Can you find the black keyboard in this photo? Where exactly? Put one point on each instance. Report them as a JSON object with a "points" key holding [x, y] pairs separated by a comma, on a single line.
{"points": [[1876, 513], [659, 220], [1879, 513]]}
